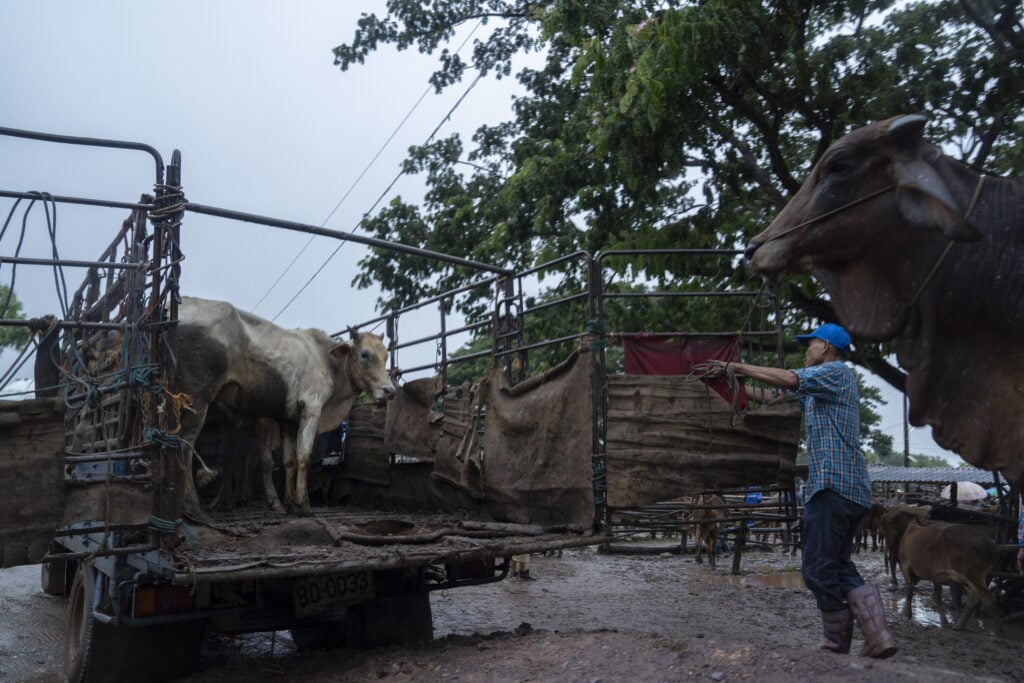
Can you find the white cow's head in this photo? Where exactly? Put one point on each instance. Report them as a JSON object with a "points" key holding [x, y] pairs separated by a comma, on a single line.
{"points": [[366, 361]]}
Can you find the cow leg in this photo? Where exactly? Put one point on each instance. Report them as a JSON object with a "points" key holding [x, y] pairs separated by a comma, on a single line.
{"points": [[910, 581], [266, 451], [893, 561], [969, 612], [303, 453], [288, 458], [956, 594], [268, 433]]}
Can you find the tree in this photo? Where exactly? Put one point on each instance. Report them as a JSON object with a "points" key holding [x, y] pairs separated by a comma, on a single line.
{"points": [[669, 123], [918, 460], [10, 308]]}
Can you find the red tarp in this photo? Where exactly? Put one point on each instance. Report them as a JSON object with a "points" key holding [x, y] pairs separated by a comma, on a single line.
{"points": [[656, 354]]}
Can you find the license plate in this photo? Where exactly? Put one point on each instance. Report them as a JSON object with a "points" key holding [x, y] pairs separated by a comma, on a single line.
{"points": [[319, 593]]}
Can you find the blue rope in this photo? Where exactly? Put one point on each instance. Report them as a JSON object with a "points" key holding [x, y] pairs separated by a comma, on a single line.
{"points": [[162, 438], [166, 526]]}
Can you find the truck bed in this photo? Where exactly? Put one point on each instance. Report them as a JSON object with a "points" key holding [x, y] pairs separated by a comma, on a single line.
{"points": [[259, 544]]}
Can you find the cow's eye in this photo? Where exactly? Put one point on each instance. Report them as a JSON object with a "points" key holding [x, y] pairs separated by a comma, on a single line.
{"points": [[838, 165]]}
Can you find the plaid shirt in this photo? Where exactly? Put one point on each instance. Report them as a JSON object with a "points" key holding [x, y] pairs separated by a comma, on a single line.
{"points": [[830, 402]]}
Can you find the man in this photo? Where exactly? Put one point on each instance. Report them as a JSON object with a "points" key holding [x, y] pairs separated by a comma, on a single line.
{"points": [[838, 490]]}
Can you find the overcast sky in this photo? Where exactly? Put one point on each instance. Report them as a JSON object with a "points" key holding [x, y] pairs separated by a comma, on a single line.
{"points": [[266, 124]]}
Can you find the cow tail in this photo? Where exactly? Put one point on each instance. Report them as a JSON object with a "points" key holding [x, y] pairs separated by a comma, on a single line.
{"points": [[205, 475]]}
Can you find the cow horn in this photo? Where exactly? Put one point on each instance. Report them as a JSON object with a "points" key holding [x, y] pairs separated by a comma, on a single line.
{"points": [[907, 129], [353, 333]]}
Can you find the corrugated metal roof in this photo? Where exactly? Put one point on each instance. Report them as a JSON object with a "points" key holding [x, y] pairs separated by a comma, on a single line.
{"points": [[929, 475]]}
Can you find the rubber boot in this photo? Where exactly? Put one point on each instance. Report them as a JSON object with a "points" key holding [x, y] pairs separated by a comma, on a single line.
{"points": [[838, 628], [866, 603]]}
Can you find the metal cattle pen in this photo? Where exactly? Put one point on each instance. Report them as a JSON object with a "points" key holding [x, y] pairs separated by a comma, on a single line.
{"points": [[585, 320]]}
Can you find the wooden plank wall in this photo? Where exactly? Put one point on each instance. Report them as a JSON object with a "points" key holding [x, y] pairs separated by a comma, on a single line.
{"points": [[669, 436]]}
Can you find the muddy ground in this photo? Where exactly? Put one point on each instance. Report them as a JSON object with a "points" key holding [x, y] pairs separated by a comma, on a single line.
{"points": [[595, 617]]}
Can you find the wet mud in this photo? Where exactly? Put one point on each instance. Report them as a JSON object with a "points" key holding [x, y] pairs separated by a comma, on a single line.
{"points": [[587, 616]]}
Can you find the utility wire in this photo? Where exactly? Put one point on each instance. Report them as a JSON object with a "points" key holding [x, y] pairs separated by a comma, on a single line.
{"points": [[352, 187], [379, 199]]}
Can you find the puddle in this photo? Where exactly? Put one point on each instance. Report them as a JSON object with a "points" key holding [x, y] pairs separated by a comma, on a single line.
{"points": [[926, 612]]}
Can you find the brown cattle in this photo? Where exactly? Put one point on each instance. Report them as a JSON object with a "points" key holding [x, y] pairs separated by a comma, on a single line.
{"points": [[869, 528], [916, 247], [943, 552], [892, 524], [708, 510]]}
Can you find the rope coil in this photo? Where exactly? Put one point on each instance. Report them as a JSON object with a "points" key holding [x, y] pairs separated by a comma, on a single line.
{"points": [[166, 526]]}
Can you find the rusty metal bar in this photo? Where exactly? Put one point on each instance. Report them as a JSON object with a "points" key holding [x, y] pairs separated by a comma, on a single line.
{"points": [[89, 142], [24, 261], [60, 199], [127, 550], [344, 236]]}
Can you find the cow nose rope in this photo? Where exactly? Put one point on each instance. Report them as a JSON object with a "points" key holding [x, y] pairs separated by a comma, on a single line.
{"points": [[872, 195], [829, 214], [949, 245]]}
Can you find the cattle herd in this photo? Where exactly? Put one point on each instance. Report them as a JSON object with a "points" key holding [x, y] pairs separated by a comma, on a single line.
{"points": [[961, 556], [915, 547]]}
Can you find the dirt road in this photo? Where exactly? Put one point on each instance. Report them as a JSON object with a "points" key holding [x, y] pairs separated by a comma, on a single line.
{"points": [[592, 617]]}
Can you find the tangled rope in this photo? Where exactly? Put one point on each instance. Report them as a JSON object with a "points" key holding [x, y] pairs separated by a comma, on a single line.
{"points": [[167, 526], [714, 369]]}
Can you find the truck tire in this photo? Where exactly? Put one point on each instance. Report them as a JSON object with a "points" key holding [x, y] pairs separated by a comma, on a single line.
{"points": [[96, 651], [394, 620], [53, 577], [78, 643]]}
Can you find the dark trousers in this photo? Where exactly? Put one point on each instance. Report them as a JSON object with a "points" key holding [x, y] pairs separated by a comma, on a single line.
{"points": [[830, 523]]}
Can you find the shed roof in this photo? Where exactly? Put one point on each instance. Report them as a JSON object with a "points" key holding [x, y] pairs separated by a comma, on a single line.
{"points": [[928, 475]]}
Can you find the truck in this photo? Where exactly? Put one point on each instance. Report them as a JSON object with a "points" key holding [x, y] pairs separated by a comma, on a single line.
{"points": [[437, 490]]}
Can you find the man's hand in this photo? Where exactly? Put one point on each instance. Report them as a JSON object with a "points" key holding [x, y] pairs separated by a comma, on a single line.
{"points": [[714, 368], [1020, 560]]}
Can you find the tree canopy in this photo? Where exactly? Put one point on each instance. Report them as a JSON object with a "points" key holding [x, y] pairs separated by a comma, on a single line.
{"points": [[662, 124]]}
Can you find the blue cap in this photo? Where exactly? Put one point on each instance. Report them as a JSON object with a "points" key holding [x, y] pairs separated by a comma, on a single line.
{"points": [[830, 332]]}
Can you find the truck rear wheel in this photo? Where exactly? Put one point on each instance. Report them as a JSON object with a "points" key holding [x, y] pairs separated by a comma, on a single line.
{"points": [[96, 651], [53, 577], [79, 639], [385, 621]]}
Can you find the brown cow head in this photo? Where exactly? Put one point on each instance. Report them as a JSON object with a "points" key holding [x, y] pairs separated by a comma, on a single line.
{"points": [[872, 223], [869, 222], [367, 360]]}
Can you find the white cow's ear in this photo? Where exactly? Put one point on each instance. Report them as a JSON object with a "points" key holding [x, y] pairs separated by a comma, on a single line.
{"points": [[925, 202], [341, 351]]}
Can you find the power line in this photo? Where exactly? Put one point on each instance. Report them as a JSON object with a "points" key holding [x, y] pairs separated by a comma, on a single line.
{"points": [[380, 198], [351, 188]]}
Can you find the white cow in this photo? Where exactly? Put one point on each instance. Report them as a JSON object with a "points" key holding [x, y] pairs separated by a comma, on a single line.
{"points": [[247, 367]]}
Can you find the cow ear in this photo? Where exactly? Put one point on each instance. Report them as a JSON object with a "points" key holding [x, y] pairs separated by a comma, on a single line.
{"points": [[925, 202], [341, 351]]}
